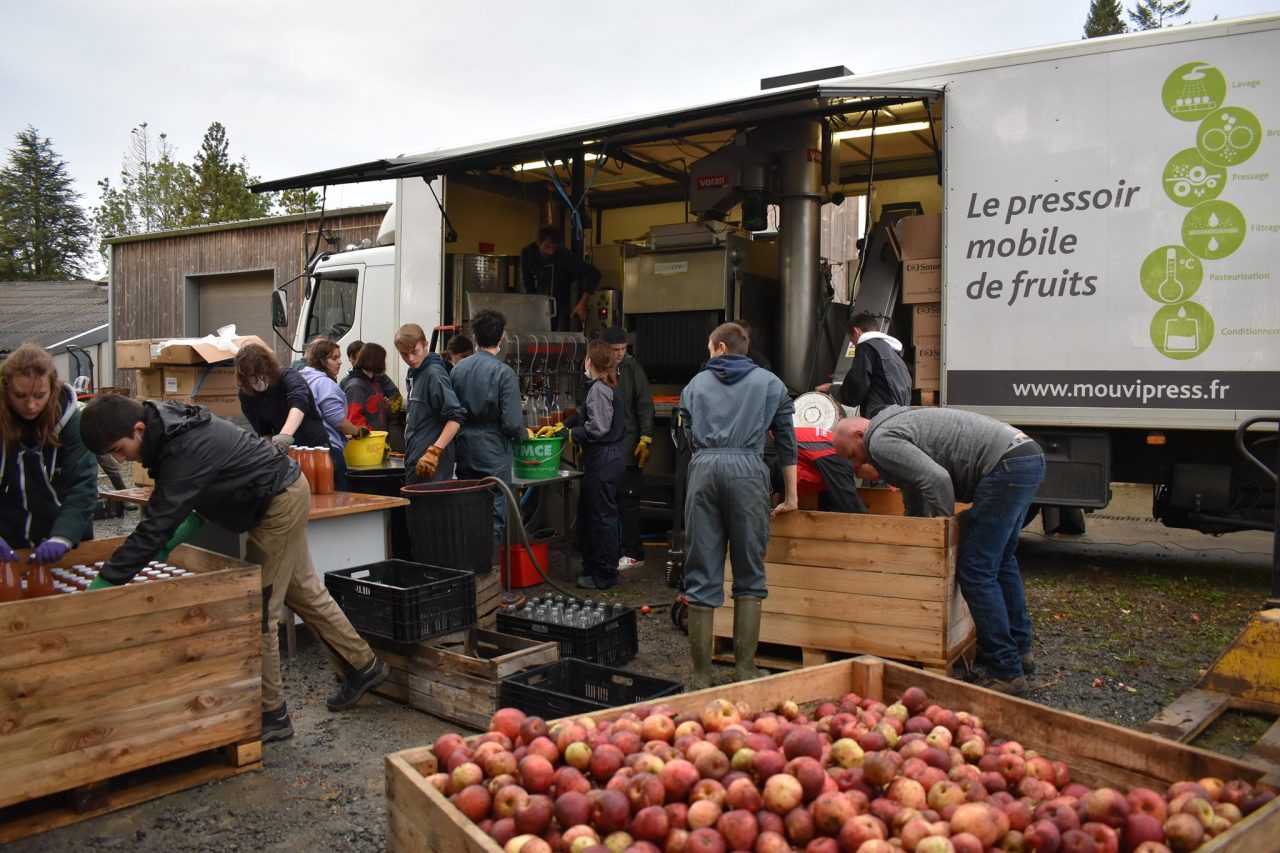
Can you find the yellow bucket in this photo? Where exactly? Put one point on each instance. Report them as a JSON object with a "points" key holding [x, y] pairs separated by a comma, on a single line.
{"points": [[366, 452]]}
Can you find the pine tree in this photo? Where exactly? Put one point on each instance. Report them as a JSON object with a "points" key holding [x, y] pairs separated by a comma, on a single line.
{"points": [[1154, 14], [299, 201], [219, 192], [44, 233], [153, 190], [1104, 19]]}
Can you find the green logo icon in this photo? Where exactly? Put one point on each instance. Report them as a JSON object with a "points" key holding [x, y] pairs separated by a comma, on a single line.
{"points": [[1171, 274], [1213, 229], [1193, 91], [1182, 331], [1229, 136], [1189, 180]]}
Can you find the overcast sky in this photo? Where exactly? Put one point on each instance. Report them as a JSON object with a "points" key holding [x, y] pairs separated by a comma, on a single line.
{"points": [[302, 86]]}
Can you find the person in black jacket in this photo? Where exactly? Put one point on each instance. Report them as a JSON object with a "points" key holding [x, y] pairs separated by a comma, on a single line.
{"points": [[277, 402], [550, 269], [878, 376], [203, 464]]}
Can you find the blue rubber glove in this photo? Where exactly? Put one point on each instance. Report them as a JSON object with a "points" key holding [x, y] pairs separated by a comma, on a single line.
{"points": [[48, 551], [6, 553], [100, 583]]}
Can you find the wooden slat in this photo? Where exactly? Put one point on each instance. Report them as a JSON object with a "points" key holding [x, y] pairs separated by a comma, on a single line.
{"points": [[57, 612], [1268, 746], [882, 501], [432, 820], [881, 529], [1188, 715], [855, 581], [905, 559], [921, 644], [29, 649], [861, 610], [1257, 832]]}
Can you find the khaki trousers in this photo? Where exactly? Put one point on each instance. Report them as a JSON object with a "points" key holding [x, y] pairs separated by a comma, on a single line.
{"points": [[279, 545]]}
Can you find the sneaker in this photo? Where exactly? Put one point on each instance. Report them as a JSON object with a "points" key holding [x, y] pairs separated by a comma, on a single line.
{"points": [[1028, 663], [629, 563], [276, 725], [357, 683], [1016, 686]]}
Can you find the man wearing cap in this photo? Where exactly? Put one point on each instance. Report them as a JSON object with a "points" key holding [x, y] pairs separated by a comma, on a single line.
{"points": [[548, 268], [938, 456], [637, 404]]}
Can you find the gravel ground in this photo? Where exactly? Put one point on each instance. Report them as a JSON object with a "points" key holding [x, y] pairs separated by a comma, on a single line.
{"points": [[1127, 618]]}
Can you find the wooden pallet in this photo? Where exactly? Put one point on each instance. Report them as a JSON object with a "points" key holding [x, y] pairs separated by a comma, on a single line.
{"points": [[862, 584], [421, 818], [782, 658], [160, 780], [97, 686], [458, 677]]}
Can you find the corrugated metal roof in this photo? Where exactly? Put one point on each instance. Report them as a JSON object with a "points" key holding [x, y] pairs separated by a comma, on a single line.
{"points": [[49, 313]]}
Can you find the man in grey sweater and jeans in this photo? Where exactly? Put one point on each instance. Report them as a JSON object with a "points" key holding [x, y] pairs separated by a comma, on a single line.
{"points": [[938, 456]]}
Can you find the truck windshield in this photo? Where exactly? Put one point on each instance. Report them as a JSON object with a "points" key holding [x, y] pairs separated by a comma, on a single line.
{"points": [[333, 308]]}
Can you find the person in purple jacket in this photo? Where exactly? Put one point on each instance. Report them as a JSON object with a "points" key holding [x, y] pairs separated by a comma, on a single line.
{"points": [[324, 360]]}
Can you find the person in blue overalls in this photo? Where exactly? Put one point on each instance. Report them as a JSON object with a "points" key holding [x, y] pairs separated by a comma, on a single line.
{"points": [[727, 410], [598, 427], [490, 395]]}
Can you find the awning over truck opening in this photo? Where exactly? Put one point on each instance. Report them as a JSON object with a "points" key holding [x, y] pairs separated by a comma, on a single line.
{"points": [[651, 154]]}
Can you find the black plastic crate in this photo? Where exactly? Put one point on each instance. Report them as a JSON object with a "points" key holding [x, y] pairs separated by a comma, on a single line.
{"points": [[403, 601], [571, 686], [613, 641]]}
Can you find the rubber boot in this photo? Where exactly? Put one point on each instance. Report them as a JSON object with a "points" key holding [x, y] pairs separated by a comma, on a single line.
{"points": [[700, 645], [746, 636]]}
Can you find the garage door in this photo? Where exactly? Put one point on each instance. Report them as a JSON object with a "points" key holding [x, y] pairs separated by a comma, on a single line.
{"points": [[240, 298]]}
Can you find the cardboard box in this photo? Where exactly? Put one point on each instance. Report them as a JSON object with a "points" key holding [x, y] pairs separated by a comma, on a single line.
{"points": [[926, 324], [140, 475], [922, 280], [150, 383], [131, 354], [198, 350], [227, 406], [928, 367], [919, 237], [199, 382]]}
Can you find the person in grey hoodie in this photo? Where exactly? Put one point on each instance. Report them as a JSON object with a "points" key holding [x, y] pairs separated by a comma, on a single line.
{"points": [[938, 456], [726, 411], [878, 376]]}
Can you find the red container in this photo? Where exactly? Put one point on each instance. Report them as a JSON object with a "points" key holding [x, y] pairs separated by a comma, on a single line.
{"points": [[517, 569]]}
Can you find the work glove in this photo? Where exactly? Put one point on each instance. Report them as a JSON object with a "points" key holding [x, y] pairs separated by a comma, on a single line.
{"points": [[641, 453], [185, 531], [550, 431], [100, 583], [532, 434], [426, 467], [48, 551], [396, 405], [6, 553], [282, 441], [362, 432]]}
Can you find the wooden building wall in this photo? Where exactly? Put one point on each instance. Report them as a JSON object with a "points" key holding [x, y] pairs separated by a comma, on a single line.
{"points": [[149, 274]]}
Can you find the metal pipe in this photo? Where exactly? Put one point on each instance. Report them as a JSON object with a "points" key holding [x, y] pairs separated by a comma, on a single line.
{"points": [[800, 190]]}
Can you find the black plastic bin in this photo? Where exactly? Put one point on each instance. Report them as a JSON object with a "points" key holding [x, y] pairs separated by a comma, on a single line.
{"points": [[572, 686], [451, 524], [386, 482], [403, 601], [613, 641]]}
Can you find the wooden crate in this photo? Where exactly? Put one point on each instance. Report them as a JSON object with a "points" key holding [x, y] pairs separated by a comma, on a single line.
{"points": [[488, 598], [97, 685], [420, 818], [458, 678], [861, 584]]}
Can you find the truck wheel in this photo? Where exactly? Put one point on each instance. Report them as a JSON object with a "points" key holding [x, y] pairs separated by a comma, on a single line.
{"points": [[1066, 520]]}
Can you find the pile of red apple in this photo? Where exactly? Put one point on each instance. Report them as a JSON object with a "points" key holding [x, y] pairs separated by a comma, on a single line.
{"points": [[860, 776]]}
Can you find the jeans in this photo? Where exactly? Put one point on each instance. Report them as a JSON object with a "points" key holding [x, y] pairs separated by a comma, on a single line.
{"points": [[987, 569]]}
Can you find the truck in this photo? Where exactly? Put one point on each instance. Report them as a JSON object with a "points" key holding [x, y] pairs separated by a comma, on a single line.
{"points": [[1106, 238]]}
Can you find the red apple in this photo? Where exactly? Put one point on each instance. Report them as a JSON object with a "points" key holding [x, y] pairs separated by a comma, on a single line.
{"points": [[537, 774], [1043, 835], [830, 811], [1108, 806], [535, 818], [706, 840], [678, 778], [703, 813], [766, 763], [717, 714], [658, 727], [606, 760], [909, 792], [465, 775], [782, 793], [610, 810], [473, 801], [651, 823], [711, 764], [1077, 841], [978, 819], [508, 800], [1183, 832], [739, 829], [507, 721], [859, 829], [802, 741], [799, 824], [1104, 837], [967, 842], [707, 789], [1061, 811], [742, 795], [645, 789], [1140, 827]]}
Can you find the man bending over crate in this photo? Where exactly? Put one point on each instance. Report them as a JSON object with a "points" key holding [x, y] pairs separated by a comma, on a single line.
{"points": [[203, 464], [939, 456]]}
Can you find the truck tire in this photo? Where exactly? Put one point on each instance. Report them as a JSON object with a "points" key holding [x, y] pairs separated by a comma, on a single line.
{"points": [[1066, 520]]}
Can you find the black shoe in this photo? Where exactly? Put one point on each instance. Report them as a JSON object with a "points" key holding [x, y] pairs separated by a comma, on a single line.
{"points": [[587, 582], [1016, 686], [1028, 663], [276, 725], [357, 683]]}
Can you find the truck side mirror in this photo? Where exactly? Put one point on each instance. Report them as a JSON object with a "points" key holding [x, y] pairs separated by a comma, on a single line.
{"points": [[279, 309]]}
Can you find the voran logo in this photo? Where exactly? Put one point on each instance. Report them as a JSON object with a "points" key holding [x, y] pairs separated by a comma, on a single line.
{"points": [[712, 181]]}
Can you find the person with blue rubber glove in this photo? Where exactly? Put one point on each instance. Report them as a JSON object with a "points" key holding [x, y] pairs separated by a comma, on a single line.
{"points": [[6, 553], [48, 479]]}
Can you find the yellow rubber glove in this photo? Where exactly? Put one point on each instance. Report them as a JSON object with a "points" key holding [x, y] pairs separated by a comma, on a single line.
{"points": [[396, 404], [641, 453], [426, 467], [550, 431]]}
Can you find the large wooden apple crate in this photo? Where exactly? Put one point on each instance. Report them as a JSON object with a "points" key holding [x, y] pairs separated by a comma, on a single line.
{"points": [[420, 818], [116, 696], [858, 584], [458, 677]]}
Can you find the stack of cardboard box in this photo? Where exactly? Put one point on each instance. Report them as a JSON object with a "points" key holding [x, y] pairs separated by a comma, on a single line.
{"points": [[920, 244], [196, 370]]}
